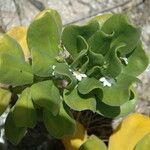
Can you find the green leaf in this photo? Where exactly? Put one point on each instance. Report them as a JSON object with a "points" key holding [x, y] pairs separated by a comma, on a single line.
{"points": [[73, 35], [100, 42], [107, 110], [123, 32], [46, 94], [144, 143], [14, 71], [78, 101], [61, 124], [113, 63], [87, 85], [81, 61], [102, 18], [137, 61], [95, 59], [93, 143], [91, 85], [5, 98], [128, 106], [42, 68], [13, 133], [62, 70], [81, 43], [10, 46], [24, 113], [94, 72], [43, 39], [116, 111], [119, 92]]}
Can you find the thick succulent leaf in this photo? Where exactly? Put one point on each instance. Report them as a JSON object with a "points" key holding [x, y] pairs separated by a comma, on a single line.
{"points": [[10, 46], [62, 70], [84, 66], [79, 58], [42, 63], [95, 59], [24, 113], [137, 61], [61, 124], [71, 36], [46, 94], [134, 126], [13, 133], [144, 143], [81, 43], [129, 106], [119, 92], [73, 142], [5, 98], [123, 32], [107, 110], [44, 32], [93, 143], [87, 85], [100, 42], [116, 95], [81, 61], [43, 39], [78, 101], [14, 71], [20, 34], [116, 111], [113, 63], [94, 72], [102, 18]]}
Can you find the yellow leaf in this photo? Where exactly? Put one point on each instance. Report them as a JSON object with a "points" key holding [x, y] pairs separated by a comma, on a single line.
{"points": [[130, 132], [74, 142], [144, 144], [19, 34]]}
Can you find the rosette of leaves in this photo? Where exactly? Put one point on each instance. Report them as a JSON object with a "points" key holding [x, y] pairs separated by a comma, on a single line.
{"points": [[106, 56], [26, 60]]}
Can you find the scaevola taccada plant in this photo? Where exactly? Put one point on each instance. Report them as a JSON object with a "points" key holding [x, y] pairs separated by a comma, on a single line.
{"points": [[105, 58]]}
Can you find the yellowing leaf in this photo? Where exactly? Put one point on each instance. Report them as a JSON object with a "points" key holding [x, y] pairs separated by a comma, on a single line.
{"points": [[144, 144], [5, 97], [19, 34], [74, 142], [130, 132]]}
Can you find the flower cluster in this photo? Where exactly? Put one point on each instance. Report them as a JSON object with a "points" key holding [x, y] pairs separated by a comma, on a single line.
{"points": [[107, 57]]}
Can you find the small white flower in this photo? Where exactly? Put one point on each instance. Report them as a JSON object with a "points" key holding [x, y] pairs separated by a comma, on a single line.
{"points": [[53, 67], [53, 73], [70, 70], [79, 75], [107, 81], [124, 59]]}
